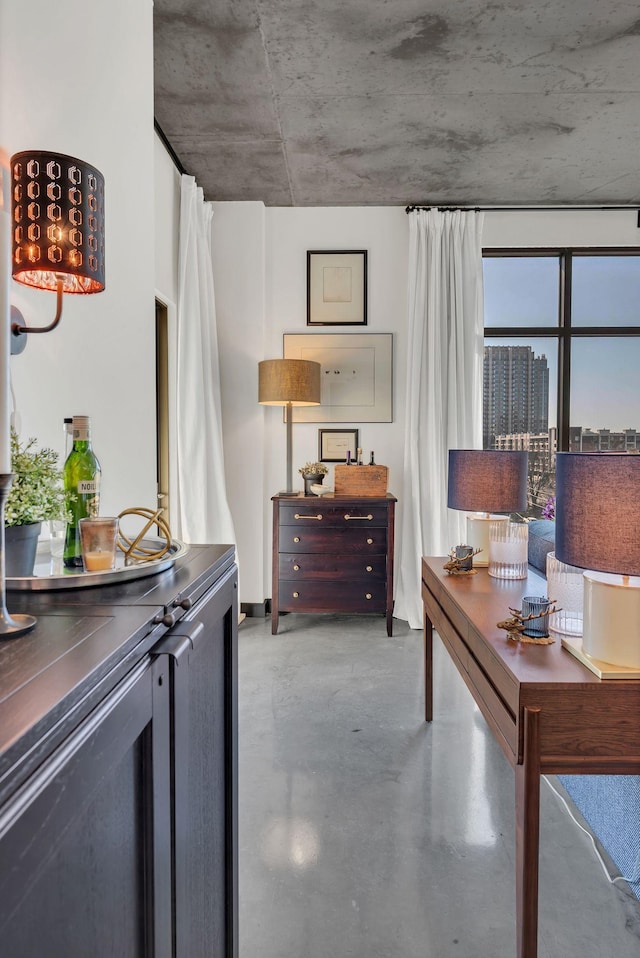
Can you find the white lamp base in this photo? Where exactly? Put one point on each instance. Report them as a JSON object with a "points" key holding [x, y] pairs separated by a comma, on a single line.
{"points": [[478, 524], [611, 629], [604, 670]]}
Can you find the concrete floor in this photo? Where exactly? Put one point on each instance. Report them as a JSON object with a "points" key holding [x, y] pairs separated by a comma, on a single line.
{"points": [[365, 833]]}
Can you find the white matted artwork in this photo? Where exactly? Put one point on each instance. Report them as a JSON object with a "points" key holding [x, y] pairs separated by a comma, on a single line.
{"points": [[337, 287], [356, 375]]}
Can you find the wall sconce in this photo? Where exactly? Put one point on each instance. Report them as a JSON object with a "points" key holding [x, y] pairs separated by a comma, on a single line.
{"points": [[288, 383], [53, 239], [598, 529], [57, 204], [483, 482]]}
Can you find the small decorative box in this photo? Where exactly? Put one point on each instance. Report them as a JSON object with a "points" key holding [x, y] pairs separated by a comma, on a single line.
{"points": [[361, 480]]}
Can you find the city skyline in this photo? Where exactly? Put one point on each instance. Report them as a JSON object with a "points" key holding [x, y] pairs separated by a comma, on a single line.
{"points": [[524, 291]]}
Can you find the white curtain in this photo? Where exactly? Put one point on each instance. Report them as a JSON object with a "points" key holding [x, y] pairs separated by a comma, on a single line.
{"points": [[444, 386], [203, 510]]}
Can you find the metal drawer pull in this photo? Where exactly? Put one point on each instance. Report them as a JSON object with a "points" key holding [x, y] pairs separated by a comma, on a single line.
{"points": [[298, 516], [296, 568], [369, 568], [296, 538], [369, 542], [368, 595], [368, 518], [296, 595]]}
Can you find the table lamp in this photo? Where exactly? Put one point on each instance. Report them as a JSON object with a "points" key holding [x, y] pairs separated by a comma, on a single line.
{"points": [[52, 239], [288, 383], [598, 529], [483, 482]]}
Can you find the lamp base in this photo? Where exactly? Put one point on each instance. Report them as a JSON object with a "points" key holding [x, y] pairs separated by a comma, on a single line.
{"points": [[478, 525], [611, 620], [604, 670], [11, 626], [285, 494]]}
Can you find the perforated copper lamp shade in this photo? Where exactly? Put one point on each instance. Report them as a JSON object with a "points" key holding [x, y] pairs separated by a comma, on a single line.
{"points": [[487, 480], [57, 222], [288, 383]]}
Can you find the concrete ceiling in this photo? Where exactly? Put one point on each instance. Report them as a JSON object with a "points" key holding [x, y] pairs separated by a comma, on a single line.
{"points": [[394, 102]]}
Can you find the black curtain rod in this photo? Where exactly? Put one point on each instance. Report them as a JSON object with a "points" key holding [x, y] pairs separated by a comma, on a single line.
{"points": [[170, 150], [521, 209]]}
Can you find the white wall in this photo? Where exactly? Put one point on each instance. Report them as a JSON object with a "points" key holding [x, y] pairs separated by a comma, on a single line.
{"points": [[260, 259], [260, 282], [98, 106]]}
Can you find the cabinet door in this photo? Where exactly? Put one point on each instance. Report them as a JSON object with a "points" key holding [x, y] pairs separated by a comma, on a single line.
{"points": [[85, 843], [203, 661]]}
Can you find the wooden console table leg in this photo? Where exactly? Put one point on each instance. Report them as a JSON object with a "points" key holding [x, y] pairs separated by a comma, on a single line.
{"points": [[428, 668], [528, 837]]}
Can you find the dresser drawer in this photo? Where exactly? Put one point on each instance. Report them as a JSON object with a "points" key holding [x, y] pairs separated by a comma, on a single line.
{"points": [[332, 567], [316, 512], [371, 541], [303, 595]]}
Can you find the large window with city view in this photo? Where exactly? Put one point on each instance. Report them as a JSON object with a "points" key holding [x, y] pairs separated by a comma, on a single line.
{"points": [[561, 356]]}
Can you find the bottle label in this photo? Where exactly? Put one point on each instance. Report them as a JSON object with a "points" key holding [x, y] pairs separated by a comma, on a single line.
{"points": [[88, 486]]}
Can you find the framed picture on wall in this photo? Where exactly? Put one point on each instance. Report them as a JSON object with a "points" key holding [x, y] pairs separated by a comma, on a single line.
{"points": [[334, 444], [337, 287], [355, 378]]}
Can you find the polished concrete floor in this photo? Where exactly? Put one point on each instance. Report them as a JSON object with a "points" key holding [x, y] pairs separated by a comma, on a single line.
{"points": [[366, 833]]}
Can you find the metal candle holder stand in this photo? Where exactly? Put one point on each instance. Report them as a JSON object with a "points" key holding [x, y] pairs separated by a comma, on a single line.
{"points": [[11, 626]]}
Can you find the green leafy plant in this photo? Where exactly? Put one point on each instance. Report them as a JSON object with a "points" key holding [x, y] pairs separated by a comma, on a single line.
{"points": [[37, 492], [313, 469]]}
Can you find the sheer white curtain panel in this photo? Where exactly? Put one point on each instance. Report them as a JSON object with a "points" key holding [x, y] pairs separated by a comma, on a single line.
{"points": [[443, 386], [203, 510]]}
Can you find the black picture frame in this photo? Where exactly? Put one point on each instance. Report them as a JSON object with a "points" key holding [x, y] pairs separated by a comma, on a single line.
{"points": [[334, 443], [337, 287]]}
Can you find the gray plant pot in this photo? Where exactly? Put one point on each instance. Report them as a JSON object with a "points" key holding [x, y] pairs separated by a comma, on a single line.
{"points": [[311, 480], [20, 545]]}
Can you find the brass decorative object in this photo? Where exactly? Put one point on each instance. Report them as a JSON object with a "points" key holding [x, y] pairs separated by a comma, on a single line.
{"points": [[454, 565], [516, 625], [133, 549]]}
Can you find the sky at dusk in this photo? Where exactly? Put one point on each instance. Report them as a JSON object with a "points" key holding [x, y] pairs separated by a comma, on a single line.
{"points": [[605, 384]]}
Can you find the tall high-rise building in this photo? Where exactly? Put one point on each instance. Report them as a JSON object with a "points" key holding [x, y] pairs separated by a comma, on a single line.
{"points": [[516, 392]]}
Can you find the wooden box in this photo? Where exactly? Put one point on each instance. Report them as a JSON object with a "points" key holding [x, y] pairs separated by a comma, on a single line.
{"points": [[361, 480]]}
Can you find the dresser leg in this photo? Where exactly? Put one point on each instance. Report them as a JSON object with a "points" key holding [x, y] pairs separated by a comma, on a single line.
{"points": [[428, 668], [274, 621], [390, 622], [528, 837]]}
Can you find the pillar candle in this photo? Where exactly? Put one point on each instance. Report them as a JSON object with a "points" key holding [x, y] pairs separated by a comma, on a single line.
{"points": [[5, 316]]}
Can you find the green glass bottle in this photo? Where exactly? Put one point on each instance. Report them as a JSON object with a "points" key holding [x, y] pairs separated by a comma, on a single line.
{"points": [[82, 487]]}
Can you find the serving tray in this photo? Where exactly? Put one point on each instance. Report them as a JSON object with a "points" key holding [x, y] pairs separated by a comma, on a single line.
{"points": [[49, 574]]}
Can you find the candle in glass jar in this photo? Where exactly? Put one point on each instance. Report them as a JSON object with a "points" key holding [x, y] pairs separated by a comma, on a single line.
{"points": [[97, 561]]}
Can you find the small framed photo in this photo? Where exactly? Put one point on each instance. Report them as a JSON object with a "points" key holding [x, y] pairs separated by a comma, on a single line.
{"points": [[337, 287], [333, 444]]}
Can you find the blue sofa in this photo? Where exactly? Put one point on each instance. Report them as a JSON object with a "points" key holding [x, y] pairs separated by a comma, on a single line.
{"points": [[609, 803]]}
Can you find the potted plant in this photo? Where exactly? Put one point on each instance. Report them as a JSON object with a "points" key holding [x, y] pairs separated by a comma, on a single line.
{"points": [[36, 496], [312, 473]]}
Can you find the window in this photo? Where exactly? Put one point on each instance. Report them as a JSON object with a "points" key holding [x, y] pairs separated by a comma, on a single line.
{"points": [[561, 358]]}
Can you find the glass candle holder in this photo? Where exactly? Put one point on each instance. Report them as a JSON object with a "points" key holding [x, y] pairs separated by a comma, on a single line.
{"points": [[534, 605], [465, 553], [508, 543], [565, 584]]}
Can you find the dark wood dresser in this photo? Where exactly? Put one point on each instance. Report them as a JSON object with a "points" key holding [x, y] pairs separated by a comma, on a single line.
{"points": [[333, 554], [118, 768]]}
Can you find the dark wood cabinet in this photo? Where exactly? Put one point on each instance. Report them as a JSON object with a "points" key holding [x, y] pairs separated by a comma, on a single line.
{"points": [[118, 769], [333, 554]]}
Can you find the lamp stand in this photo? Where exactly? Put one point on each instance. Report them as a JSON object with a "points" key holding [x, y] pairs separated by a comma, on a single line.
{"points": [[478, 525], [288, 415], [10, 626]]}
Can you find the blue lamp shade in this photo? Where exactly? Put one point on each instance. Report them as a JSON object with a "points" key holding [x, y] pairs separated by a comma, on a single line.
{"points": [[598, 511], [487, 480]]}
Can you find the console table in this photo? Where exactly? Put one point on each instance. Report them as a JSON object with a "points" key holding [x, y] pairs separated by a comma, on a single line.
{"points": [[332, 554], [549, 714]]}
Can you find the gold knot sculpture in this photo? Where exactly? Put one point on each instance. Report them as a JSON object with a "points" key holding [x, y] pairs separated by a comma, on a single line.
{"points": [[134, 549]]}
